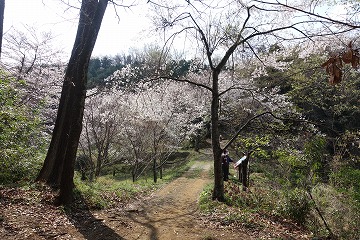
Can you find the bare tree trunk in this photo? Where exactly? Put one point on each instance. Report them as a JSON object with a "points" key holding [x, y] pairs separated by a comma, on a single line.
{"points": [[154, 170], [2, 9], [133, 176], [134, 172], [99, 161], [58, 168], [218, 191]]}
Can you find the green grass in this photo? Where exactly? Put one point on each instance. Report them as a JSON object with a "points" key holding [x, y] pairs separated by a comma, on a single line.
{"points": [[106, 191], [269, 199], [109, 191], [207, 205]]}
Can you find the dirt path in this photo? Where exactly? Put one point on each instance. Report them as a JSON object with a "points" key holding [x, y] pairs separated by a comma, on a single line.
{"points": [[170, 213]]}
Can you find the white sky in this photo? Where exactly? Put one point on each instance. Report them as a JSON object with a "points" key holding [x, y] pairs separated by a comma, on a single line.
{"points": [[51, 15], [132, 31]]}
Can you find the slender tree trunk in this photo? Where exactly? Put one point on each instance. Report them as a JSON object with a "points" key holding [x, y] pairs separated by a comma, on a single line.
{"points": [[133, 176], [218, 191], [58, 168], [154, 170], [2, 9], [99, 161], [92, 170], [134, 170]]}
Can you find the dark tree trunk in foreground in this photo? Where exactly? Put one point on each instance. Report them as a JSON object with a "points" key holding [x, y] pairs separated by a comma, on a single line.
{"points": [[2, 9], [58, 168], [218, 191]]}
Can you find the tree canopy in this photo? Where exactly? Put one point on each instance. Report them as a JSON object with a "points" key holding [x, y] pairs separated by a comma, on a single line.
{"points": [[276, 81]]}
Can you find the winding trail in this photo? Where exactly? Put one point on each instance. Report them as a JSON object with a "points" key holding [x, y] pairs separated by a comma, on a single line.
{"points": [[170, 213]]}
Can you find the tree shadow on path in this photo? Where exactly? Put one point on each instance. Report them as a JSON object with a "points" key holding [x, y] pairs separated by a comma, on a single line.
{"points": [[144, 220], [88, 225]]}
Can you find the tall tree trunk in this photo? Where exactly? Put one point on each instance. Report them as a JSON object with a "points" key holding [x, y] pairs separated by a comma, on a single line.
{"points": [[58, 168], [218, 191]]}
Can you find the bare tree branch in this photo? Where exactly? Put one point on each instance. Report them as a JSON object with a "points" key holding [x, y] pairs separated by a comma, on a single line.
{"points": [[309, 13], [183, 80]]}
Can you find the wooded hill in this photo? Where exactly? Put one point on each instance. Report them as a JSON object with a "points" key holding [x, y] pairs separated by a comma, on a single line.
{"points": [[291, 107], [304, 148]]}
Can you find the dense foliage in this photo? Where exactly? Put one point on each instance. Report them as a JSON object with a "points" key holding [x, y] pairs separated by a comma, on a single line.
{"points": [[21, 139], [305, 156]]}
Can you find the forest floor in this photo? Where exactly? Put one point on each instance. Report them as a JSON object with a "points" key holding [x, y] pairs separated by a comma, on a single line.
{"points": [[169, 213]]}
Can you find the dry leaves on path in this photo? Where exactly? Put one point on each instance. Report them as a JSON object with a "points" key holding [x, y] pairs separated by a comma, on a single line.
{"points": [[169, 213]]}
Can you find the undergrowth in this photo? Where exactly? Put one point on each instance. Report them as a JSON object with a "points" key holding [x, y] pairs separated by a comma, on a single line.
{"points": [[109, 191], [277, 203]]}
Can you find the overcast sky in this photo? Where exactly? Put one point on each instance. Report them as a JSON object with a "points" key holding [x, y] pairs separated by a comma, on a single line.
{"points": [[51, 15], [132, 31]]}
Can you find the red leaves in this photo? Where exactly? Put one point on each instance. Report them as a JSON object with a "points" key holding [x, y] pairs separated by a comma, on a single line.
{"points": [[334, 65]]}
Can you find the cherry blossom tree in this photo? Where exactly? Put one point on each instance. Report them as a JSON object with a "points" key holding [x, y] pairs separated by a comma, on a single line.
{"points": [[221, 30], [168, 114], [31, 56], [158, 120], [28, 50], [102, 119], [156, 116]]}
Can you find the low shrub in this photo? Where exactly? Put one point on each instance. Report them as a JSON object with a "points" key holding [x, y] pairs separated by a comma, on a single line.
{"points": [[296, 205]]}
